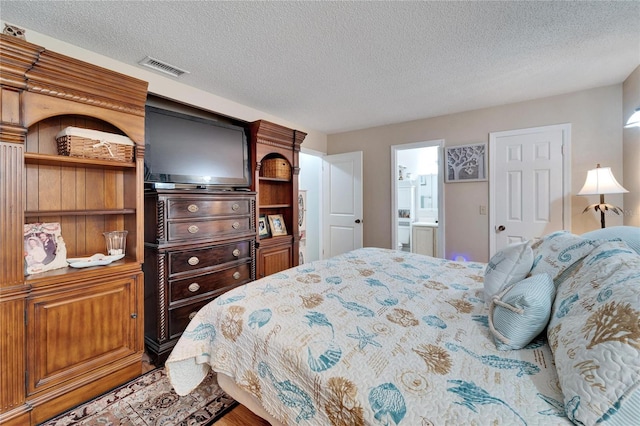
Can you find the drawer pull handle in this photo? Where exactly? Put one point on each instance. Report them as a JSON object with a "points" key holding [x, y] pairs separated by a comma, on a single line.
{"points": [[193, 208], [235, 225], [236, 253], [193, 229], [193, 287], [235, 206], [236, 275], [193, 261], [191, 315]]}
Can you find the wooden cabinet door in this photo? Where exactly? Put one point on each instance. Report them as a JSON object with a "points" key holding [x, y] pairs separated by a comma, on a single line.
{"points": [[274, 259], [76, 331]]}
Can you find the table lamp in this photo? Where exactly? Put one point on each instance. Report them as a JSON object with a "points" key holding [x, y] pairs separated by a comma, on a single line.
{"points": [[600, 181]]}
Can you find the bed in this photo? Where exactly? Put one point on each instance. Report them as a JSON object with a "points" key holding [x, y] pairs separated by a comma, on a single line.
{"points": [[378, 336]]}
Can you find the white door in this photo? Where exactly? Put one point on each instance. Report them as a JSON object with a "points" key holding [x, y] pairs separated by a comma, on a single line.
{"points": [[342, 203], [529, 184]]}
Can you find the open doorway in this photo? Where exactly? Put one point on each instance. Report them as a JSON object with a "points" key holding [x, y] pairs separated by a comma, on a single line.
{"points": [[417, 198], [309, 205], [331, 220]]}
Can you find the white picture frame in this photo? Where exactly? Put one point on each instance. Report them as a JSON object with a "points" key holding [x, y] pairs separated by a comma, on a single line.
{"points": [[466, 163], [302, 210]]}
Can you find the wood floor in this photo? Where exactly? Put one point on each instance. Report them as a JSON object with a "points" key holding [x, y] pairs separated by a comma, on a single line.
{"points": [[239, 416]]}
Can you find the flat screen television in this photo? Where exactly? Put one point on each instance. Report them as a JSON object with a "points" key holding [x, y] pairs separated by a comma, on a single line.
{"points": [[183, 150]]}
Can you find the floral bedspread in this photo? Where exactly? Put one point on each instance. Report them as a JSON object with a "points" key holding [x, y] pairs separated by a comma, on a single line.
{"points": [[370, 337]]}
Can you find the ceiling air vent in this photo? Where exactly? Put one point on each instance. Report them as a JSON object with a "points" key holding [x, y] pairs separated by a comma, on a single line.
{"points": [[163, 67]]}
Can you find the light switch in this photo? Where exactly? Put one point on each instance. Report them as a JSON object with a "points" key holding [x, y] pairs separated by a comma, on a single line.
{"points": [[483, 210]]}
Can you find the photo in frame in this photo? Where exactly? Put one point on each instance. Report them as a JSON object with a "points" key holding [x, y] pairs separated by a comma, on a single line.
{"points": [[276, 225], [466, 163], [263, 227], [44, 248]]}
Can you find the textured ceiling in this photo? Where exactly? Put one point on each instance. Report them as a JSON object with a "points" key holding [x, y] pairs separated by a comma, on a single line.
{"points": [[337, 66]]}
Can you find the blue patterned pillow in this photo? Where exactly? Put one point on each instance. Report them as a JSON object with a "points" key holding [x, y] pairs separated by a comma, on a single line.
{"points": [[628, 234], [555, 253], [521, 311], [594, 334], [506, 267]]}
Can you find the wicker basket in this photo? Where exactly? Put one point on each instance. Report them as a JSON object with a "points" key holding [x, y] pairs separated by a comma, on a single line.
{"points": [[85, 143], [276, 168]]}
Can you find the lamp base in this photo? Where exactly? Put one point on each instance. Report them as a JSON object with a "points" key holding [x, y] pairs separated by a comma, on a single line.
{"points": [[602, 207]]}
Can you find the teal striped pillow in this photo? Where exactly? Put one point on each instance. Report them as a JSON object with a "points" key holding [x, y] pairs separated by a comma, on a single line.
{"points": [[521, 311], [506, 267]]}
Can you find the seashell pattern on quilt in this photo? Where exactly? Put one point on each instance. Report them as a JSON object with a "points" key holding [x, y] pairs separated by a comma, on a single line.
{"points": [[370, 337]]}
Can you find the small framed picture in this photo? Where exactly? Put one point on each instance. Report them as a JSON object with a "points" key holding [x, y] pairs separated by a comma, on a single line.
{"points": [[263, 227], [44, 248], [466, 163], [276, 223]]}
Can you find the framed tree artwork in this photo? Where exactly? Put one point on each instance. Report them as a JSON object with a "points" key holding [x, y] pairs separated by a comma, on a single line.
{"points": [[466, 163]]}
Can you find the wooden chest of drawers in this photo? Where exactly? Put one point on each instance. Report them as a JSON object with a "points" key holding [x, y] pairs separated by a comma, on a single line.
{"points": [[198, 260], [198, 244], [187, 296]]}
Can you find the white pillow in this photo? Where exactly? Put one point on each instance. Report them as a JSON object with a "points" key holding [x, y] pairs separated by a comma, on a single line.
{"points": [[521, 311], [506, 267]]}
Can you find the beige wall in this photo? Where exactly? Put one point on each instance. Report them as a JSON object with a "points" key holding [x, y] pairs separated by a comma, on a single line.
{"points": [[173, 89], [596, 137], [631, 150]]}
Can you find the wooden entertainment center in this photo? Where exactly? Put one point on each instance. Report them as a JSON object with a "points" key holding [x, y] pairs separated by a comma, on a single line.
{"points": [[70, 334], [67, 334]]}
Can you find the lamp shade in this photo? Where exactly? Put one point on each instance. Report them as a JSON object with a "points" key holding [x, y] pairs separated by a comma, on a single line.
{"points": [[601, 181], [634, 120]]}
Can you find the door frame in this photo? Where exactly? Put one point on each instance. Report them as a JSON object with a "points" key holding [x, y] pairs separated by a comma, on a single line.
{"points": [[439, 143], [317, 196], [565, 128]]}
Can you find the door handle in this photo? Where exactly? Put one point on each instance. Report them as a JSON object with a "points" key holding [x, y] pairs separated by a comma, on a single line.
{"points": [[500, 228], [358, 221]]}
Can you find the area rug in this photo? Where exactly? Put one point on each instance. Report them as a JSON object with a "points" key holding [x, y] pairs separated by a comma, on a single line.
{"points": [[149, 400]]}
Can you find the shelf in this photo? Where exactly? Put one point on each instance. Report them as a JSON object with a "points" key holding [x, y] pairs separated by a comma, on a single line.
{"points": [[78, 212], [275, 206], [280, 239], [61, 160], [272, 179], [65, 275]]}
